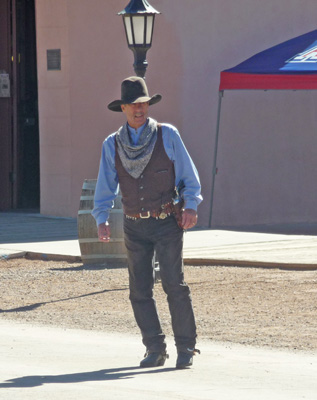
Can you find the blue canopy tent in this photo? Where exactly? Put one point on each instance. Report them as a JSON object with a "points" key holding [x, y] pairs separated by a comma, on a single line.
{"points": [[291, 65]]}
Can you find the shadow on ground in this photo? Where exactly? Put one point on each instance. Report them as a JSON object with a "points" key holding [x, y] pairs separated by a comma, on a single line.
{"points": [[92, 376]]}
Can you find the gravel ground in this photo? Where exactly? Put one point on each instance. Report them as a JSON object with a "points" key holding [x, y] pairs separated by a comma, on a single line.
{"points": [[259, 307]]}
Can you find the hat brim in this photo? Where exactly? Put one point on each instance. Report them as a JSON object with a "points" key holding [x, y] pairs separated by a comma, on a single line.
{"points": [[116, 104]]}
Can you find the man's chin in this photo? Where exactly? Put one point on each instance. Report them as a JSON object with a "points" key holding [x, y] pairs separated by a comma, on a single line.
{"points": [[139, 121]]}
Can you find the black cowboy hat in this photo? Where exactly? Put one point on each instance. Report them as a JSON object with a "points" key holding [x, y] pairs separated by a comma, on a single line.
{"points": [[133, 90]]}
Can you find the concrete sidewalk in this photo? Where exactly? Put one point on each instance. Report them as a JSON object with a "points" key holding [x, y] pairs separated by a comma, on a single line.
{"points": [[49, 363], [44, 237]]}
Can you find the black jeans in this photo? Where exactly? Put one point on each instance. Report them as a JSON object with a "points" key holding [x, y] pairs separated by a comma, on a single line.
{"points": [[142, 237]]}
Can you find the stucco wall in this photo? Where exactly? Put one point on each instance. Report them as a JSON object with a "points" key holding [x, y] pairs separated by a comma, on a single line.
{"points": [[267, 147]]}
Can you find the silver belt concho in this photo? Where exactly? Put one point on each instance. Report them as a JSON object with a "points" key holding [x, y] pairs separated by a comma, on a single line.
{"points": [[163, 215]]}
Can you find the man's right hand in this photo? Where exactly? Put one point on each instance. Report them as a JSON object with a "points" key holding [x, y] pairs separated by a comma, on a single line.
{"points": [[104, 232]]}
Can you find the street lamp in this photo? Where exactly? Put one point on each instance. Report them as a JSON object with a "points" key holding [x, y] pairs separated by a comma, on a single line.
{"points": [[138, 20]]}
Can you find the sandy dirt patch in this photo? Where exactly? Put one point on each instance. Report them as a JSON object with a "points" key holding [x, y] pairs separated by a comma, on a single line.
{"points": [[259, 307]]}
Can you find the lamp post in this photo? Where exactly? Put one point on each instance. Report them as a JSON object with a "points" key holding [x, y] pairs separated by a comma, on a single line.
{"points": [[138, 20]]}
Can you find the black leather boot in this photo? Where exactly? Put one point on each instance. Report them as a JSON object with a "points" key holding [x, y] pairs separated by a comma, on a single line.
{"points": [[154, 359], [185, 358]]}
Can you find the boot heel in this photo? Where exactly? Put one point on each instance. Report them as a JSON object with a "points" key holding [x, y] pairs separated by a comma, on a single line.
{"points": [[161, 362]]}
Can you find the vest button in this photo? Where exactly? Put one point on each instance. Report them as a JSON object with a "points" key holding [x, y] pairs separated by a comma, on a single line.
{"points": [[142, 176], [142, 198], [141, 187], [142, 209]]}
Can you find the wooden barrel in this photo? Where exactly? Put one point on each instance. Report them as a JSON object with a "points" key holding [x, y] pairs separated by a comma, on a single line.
{"points": [[93, 251]]}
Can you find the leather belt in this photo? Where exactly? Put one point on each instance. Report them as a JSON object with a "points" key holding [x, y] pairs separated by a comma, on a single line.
{"points": [[165, 211]]}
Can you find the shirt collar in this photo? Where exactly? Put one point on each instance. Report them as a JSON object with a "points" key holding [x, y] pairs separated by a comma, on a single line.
{"points": [[136, 131]]}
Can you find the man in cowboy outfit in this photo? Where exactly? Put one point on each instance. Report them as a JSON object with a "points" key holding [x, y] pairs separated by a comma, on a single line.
{"points": [[149, 160]]}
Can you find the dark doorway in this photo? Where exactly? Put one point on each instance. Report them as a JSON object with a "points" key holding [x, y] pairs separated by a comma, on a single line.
{"points": [[28, 189], [21, 135], [6, 136]]}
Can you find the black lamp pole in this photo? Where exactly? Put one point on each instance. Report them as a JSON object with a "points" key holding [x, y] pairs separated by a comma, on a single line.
{"points": [[138, 20]]}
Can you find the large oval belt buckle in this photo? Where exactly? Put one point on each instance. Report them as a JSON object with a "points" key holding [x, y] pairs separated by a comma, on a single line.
{"points": [[163, 215]]}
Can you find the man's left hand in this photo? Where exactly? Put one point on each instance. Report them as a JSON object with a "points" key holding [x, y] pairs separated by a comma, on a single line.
{"points": [[189, 218]]}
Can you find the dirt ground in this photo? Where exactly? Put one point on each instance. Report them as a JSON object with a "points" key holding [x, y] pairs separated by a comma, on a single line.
{"points": [[259, 307]]}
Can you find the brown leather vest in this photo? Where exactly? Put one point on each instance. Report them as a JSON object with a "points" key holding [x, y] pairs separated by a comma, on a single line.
{"points": [[154, 187]]}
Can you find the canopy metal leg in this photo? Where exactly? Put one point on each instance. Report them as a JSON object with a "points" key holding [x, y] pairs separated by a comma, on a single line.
{"points": [[214, 168]]}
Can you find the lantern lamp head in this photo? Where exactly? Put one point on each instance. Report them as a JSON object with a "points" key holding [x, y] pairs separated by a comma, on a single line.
{"points": [[138, 20]]}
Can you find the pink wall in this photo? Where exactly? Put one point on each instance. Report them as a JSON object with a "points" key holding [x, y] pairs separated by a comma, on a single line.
{"points": [[267, 148]]}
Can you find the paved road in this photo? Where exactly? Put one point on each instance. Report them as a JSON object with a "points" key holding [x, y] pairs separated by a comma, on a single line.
{"points": [[48, 363]]}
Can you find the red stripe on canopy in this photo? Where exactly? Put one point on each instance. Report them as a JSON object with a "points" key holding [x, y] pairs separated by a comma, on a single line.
{"points": [[233, 80]]}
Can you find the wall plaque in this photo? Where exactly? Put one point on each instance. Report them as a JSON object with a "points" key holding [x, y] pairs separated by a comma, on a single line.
{"points": [[54, 60]]}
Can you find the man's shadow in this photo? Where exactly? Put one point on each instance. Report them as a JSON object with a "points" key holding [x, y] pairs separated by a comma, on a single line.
{"points": [[93, 376], [32, 307]]}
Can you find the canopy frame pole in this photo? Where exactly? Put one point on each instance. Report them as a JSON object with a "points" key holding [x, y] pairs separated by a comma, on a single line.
{"points": [[214, 168]]}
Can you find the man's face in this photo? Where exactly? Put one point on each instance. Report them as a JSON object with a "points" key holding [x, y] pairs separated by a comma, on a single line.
{"points": [[136, 113]]}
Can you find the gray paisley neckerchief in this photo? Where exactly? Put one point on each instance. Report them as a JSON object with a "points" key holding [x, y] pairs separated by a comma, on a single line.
{"points": [[135, 158]]}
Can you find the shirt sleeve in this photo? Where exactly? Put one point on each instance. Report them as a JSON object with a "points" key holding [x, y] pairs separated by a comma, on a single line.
{"points": [[107, 186], [185, 169]]}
